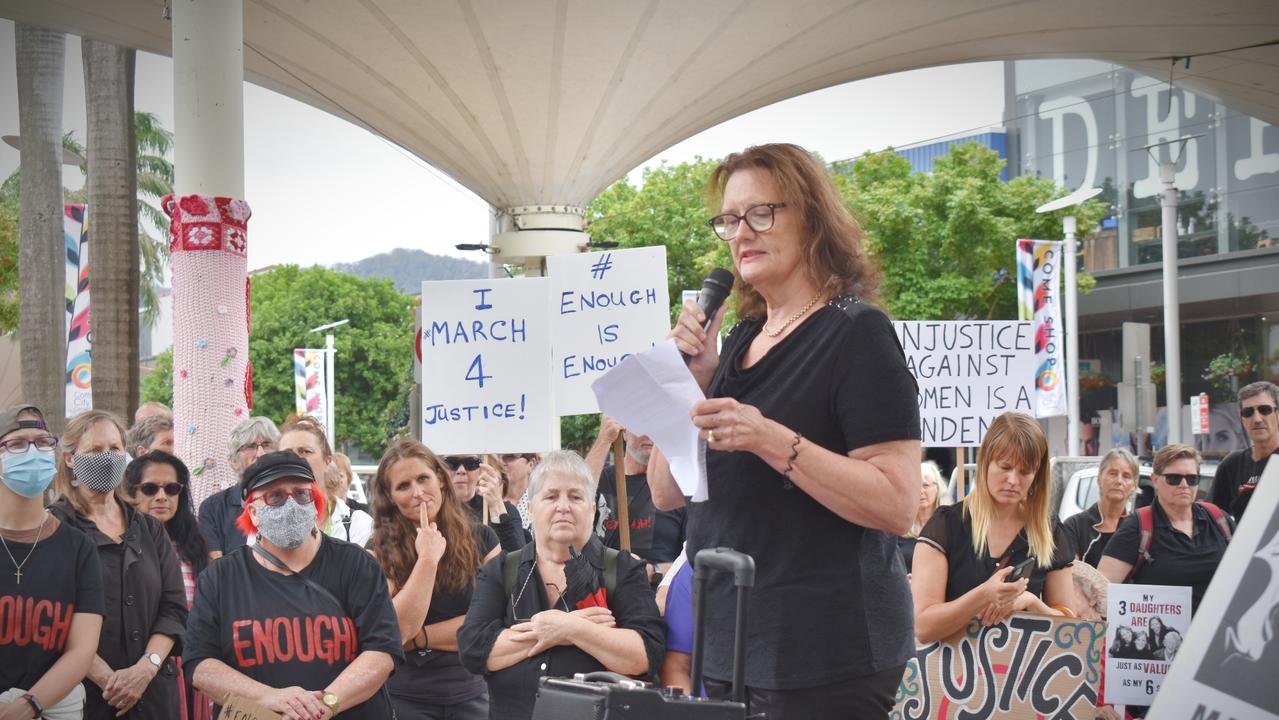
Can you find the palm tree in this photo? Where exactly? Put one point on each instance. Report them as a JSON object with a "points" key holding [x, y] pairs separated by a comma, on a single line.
{"points": [[114, 259], [155, 180], [41, 55]]}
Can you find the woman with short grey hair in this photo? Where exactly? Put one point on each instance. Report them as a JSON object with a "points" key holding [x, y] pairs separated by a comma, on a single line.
{"points": [[1091, 529], [590, 608], [250, 440]]}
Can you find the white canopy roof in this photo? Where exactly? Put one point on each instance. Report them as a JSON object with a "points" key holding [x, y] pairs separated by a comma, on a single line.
{"points": [[532, 102]]}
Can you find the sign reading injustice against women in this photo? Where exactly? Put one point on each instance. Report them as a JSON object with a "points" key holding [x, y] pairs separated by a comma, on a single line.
{"points": [[486, 366], [1147, 624], [1029, 666], [969, 373], [604, 307]]}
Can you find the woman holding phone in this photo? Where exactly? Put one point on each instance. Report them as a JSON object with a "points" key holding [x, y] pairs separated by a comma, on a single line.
{"points": [[999, 551]]}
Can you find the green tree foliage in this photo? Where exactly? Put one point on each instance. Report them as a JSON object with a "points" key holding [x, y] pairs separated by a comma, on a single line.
{"points": [[944, 240], [374, 351], [8, 269]]}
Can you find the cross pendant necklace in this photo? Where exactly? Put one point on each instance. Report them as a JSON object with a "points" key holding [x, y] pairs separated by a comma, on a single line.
{"points": [[18, 572]]}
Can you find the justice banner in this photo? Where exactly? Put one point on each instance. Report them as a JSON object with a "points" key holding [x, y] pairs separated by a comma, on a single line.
{"points": [[1027, 667], [1038, 291], [1147, 625], [969, 373]]}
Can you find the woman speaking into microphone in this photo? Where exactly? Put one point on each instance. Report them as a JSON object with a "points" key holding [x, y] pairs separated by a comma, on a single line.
{"points": [[812, 432]]}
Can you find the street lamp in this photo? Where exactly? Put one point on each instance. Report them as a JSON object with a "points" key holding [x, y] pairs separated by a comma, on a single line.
{"points": [[1070, 259], [329, 423]]}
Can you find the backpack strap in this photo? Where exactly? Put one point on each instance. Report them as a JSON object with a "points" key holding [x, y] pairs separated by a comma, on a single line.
{"points": [[1146, 517], [1218, 516], [610, 571], [511, 570]]}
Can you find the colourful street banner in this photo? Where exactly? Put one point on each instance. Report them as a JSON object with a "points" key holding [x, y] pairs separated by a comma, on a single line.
{"points": [[309, 384], [79, 369], [1038, 290]]}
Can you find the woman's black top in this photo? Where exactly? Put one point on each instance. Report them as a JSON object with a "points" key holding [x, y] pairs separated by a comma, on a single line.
{"points": [[144, 595], [436, 677], [830, 601], [282, 631], [950, 531], [512, 691], [1176, 559], [510, 532], [61, 576], [1089, 542]]}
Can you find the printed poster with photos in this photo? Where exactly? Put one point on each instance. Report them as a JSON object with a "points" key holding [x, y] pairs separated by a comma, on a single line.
{"points": [[1147, 625]]}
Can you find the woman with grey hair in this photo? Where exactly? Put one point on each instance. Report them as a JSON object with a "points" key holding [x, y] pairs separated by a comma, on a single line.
{"points": [[930, 492], [1091, 529], [249, 441], [564, 604]]}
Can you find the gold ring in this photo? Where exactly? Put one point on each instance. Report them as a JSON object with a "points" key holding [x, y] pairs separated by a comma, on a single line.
{"points": [[710, 436]]}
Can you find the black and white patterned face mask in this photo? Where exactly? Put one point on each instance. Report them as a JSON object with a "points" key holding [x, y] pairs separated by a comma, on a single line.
{"points": [[100, 472]]}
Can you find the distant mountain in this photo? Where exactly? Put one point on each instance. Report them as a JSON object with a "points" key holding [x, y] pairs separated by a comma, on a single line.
{"points": [[408, 268]]}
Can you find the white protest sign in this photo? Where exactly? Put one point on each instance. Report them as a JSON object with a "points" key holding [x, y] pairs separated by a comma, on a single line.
{"points": [[604, 307], [969, 373], [1147, 626], [1226, 668], [486, 366]]}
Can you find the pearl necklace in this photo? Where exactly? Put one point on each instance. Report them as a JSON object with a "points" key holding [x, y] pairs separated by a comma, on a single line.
{"points": [[803, 311]]}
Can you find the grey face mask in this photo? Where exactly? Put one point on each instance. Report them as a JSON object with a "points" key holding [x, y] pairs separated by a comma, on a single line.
{"points": [[286, 526], [100, 472]]}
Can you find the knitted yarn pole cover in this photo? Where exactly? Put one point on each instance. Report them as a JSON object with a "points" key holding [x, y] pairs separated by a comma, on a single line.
{"points": [[212, 379]]}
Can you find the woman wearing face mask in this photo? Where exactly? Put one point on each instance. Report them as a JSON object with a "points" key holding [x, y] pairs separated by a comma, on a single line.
{"points": [[146, 608], [431, 550], [159, 483], [42, 679], [301, 623]]}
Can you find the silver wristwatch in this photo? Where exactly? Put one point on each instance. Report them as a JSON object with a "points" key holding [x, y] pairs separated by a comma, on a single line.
{"points": [[154, 659]]}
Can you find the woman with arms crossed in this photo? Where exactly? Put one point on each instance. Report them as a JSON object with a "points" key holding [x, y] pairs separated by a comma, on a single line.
{"points": [[812, 431]]}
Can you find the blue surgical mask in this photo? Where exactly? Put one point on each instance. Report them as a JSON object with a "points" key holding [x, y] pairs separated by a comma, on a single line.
{"points": [[28, 473]]}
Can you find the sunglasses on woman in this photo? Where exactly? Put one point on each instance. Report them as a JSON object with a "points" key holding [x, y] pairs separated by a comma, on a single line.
{"points": [[150, 489], [1265, 411], [1175, 479], [277, 498], [471, 463]]}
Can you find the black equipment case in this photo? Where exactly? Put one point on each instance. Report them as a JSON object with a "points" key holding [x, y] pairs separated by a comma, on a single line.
{"points": [[609, 696]]}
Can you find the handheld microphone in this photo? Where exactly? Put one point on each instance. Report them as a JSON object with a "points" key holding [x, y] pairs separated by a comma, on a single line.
{"points": [[715, 289]]}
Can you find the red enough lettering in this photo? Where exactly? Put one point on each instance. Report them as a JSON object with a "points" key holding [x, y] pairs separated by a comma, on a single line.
{"points": [[25, 620], [325, 637]]}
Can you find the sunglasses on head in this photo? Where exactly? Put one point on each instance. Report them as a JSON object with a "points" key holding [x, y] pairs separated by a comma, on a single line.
{"points": [[1265, 411], [277, 498], [150, 489], [1175, 479], [471, 463]]}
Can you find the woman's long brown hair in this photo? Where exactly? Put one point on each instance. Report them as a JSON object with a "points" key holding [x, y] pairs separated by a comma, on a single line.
{"points": [[393, 537]]}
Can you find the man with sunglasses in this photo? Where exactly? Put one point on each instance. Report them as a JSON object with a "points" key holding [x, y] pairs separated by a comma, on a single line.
{"points": [[301, 623], [1187, 537], [1238, 474]]}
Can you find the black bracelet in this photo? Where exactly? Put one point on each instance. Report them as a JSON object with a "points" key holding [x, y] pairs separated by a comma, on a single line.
{"points": [[35, 705], [794, 455]]}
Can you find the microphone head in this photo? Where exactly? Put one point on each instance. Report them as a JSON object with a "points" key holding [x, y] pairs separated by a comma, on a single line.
{"points": [[721, 278]]}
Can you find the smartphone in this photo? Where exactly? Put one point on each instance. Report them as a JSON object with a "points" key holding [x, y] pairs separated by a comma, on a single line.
{"points": [[1021, 570]]}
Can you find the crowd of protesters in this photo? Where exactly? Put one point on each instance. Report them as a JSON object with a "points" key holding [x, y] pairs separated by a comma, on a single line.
{"points": [[466, 579]]}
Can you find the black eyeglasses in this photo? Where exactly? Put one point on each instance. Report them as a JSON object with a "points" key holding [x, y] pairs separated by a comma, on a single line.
{"points": [[150, 489], [1175, 479], [471, 463], [20, 445], [1265, 411], [277, 498], [759, 217], [265, 445]]}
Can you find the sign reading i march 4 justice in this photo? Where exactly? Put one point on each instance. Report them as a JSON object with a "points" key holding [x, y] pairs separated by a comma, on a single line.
{"points": [[969, 373], [604, 307], [1147, 625], [486, 366]]}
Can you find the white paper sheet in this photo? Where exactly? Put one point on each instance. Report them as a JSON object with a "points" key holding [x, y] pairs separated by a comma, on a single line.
{"points": [[652, 393]]}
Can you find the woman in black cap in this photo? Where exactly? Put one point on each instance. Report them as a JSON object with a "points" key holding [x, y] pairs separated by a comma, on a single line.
{"points": [[41, 678], [299, 623]]}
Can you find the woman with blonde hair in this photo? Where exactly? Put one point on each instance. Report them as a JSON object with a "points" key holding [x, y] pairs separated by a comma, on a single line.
{"points": [[431, 551], [146, 607], [966, 552], [930, 492]]}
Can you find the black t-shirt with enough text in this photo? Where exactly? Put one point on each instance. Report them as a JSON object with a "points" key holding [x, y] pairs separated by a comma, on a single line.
{"points": [[830, 601], [61, 577], [281, 632], [436, 677], [950, 531], [1236, 479]]}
